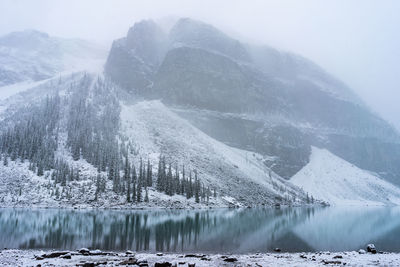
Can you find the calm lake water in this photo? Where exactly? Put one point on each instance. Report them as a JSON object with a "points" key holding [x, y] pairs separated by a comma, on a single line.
{"points": [[223, 230]]}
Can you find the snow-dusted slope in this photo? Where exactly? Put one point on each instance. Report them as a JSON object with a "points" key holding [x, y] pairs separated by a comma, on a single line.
{"points": [[238, 176], [15, 96], [153, 128], [332, 179], [32, 56]]}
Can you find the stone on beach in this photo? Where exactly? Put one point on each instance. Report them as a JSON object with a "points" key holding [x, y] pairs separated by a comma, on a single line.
{"points": [[361, 251], [371, 248], [54, 254], [84, 251]]}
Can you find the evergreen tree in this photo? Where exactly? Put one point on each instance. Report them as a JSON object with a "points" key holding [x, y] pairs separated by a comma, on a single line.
{"points": [[146, 198], [98, 186], [190, 186], [183, 182], [139, 186], [176, 184], [134, 191], [141, 178], [127, 178], [159, 185], [169, 181], [134, 180], [149, 174], [40, 169], [196, 188]]}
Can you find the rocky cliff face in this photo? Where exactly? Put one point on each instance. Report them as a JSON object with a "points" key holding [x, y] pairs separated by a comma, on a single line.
{"points": [[134, 60], [256, 98]]}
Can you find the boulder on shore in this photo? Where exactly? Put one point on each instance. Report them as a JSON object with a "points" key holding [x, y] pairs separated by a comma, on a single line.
{"points": [[361, 251], [54, 254], [371, 248], [84, 251]]}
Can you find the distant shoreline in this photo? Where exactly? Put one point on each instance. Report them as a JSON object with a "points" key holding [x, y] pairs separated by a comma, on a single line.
{"points": [[154, 207]]}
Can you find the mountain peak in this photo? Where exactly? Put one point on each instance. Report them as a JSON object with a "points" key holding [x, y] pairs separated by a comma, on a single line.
{"points": [[22, 38], [194, 33], [144, 31], [35, 33]]}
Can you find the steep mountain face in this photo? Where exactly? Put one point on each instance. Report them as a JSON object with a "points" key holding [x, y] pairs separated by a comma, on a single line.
{"points": [[133, 60], [32, 56], [256, 98]]}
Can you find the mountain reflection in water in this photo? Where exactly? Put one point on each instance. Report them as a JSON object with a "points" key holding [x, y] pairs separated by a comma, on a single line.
{"points": [[221, 230]]}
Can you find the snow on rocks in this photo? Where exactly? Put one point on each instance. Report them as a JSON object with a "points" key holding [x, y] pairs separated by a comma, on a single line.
{"points": [[84, 251], [54, 254], [371, 248], [338, 182], [352, 258]]}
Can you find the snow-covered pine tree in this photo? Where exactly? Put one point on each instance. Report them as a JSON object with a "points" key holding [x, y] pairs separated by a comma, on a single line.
{"points": [[134, 181], [127, 179], [146, 198], [149, 174], [196, 188], [183, 182]]}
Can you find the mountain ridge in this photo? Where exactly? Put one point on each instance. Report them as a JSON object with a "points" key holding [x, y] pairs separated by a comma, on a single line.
{"points": [[184, 103], [197, 73]]}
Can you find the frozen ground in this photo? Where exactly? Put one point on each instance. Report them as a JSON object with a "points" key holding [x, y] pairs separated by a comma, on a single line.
{"points": [[27, 258]]}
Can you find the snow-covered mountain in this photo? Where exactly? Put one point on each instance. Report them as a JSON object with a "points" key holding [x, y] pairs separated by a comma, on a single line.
{"points": [[336, 181], [185, 118], [31, 55], [260, 99], [155, 129], [62, 165]]}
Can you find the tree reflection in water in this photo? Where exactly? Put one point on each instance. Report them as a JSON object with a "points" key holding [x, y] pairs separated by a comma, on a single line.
{"points": [[223, 230]]}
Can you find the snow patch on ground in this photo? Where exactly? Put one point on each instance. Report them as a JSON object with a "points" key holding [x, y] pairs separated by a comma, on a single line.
{"points": [[338, 182]]}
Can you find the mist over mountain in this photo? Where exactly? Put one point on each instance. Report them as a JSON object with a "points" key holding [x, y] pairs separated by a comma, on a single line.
{"points": [[253, 97], [184, 117], [199, 133], [32, 55]]}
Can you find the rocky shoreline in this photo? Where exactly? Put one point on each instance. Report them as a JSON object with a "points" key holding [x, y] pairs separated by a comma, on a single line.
{"points": [[88, 258]]}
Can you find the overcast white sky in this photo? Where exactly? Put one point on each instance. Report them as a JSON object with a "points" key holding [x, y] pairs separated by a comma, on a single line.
{"points": [[356, 40]]}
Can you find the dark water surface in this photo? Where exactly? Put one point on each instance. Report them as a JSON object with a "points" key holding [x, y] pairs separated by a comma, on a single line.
{"points": [[223, 230]]}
